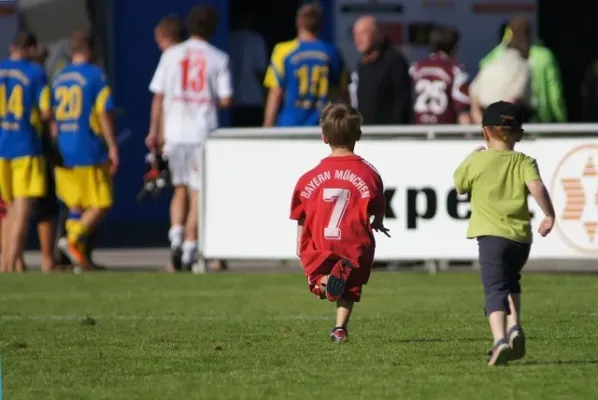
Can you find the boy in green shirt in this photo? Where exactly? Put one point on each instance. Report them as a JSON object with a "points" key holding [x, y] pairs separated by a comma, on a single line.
{"points": [[499, 180]]}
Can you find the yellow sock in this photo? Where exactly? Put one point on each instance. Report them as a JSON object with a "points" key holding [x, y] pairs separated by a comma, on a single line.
{"points": [[75, 230]]}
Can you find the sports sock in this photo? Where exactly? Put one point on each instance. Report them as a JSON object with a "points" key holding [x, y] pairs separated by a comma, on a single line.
{"points": [[175, 235], [75, 230], [189, 249]]}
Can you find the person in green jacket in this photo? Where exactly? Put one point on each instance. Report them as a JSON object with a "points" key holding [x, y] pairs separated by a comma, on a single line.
{"points": [[547, 89]]}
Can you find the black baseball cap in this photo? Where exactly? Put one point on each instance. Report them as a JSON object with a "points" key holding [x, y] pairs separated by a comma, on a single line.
{"points": [[502, 113]]}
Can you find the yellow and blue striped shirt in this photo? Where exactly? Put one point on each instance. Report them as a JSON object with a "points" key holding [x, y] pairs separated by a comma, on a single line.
{"points": [[80, 95]]}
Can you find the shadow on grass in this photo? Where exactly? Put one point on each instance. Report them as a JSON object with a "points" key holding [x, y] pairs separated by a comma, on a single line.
{"points": [[438, 340], [558, 362]]}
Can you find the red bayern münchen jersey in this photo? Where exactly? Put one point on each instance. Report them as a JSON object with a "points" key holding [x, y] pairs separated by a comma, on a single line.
{"points": [[336, 199], [441, 89]]}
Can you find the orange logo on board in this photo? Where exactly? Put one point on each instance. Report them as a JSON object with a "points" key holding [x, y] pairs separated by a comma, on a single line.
{"points": [[574, 191]]}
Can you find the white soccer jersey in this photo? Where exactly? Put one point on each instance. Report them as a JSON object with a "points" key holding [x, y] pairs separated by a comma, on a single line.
{"points": [[192, 76]]}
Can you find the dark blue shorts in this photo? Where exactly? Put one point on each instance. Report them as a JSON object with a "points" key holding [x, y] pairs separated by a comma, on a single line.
{"points": [[501, 261]]}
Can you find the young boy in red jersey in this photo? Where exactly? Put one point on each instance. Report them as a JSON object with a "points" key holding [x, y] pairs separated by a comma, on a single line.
{"points": [[333, 204]]}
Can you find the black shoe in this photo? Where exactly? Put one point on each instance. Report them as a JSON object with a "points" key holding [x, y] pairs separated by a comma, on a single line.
{"points": [[337, 280], [176, 256]]}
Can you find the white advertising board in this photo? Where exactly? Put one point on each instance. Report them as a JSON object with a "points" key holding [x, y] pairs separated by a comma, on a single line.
{"points": [[249, 182], [406, 22]]}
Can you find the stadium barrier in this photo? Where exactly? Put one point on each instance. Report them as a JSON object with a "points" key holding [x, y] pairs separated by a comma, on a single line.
{"points": [[249, 176]]}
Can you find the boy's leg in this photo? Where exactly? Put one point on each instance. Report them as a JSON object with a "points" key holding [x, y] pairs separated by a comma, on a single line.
{"points": [[61, 244], [5, 235], [515, 333], [339, 333], [344, 308], [6, 190], [79, 225], [513, 321], [95, 198], [18, 216], [46, 210], [178, 212], [494, 267], [176, 155], [190, 246], [191, 226]]}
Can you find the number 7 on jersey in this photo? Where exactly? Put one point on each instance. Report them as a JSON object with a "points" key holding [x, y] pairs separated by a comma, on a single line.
{"points": [[340, 198]]}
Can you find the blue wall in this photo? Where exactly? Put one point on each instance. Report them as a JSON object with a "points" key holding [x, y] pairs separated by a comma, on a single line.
{"points": [[134, 61]]}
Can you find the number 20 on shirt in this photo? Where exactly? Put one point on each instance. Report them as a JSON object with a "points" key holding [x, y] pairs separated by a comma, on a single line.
{"points": [[70, 103]]}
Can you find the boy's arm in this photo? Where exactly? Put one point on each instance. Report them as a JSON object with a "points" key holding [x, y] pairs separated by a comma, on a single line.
{"points": [[44, 98], [462, 179], [224, 84], [156, 135], [274, 83], [157, 87], [298, 214], [300, 224], [105, 106], [272, 105], [377, 206], [536, 187], [539, 192]]}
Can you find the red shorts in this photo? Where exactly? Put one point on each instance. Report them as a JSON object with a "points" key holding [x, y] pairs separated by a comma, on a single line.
{"points": [[359, 277]]}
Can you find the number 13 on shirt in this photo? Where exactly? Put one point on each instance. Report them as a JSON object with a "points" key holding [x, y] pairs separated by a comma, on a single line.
{"points": [[193, 71], [340, 198]]}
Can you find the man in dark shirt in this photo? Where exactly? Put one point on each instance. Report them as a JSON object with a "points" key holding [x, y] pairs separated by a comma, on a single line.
{"points": [[384, 85]]}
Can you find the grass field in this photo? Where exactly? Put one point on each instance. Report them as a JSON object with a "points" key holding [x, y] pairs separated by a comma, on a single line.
{"points": [[263, 336]]}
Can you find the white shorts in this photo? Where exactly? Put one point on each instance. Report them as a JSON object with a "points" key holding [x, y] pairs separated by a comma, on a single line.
{"points": [[184, 162]]}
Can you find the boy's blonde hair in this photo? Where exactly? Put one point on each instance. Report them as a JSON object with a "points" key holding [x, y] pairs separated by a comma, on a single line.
{"points": [[341, 125], [506, 134]]}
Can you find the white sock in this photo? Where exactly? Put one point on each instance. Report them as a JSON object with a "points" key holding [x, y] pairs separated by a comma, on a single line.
{"points": [[175, 235], [189, 250]]}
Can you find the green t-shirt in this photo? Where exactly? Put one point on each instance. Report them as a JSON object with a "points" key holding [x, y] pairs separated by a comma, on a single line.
{"points": [[497, 181]]}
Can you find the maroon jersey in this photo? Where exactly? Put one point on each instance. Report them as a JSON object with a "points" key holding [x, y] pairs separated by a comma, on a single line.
{"points": [[441, 90], [336, 200]]}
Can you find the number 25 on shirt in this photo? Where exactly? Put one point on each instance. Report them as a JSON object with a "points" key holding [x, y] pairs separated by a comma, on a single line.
{"points": [[431, 97], [11, 103]]}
